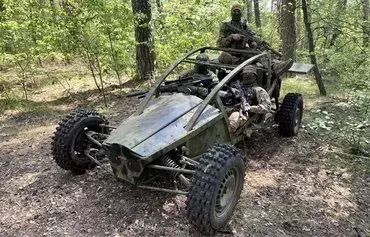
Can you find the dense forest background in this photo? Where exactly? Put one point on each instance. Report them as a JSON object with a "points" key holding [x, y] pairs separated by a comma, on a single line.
{"points": [[119, 40]]}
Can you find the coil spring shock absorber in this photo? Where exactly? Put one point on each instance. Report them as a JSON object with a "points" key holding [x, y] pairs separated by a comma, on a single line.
{"points": [[167, 161]]}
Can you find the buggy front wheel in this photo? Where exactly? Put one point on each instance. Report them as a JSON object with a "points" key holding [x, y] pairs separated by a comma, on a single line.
{"points": [[215, 188], [70, 142]]}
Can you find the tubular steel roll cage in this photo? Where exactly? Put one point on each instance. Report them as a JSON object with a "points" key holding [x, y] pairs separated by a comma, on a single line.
{"points": [[212, 96], [214, 93]]}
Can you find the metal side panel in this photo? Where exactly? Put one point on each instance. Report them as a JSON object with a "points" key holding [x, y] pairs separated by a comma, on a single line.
{"points": [[217, 133], [301, 68]]}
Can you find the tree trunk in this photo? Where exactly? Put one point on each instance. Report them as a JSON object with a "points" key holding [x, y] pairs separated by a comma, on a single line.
{"points": [[277, 6], [288, 29], [366, 22], [301, 38], [67, 7], [145, 54], [311, 47], [1, 7], [257, 14], [159, 4], [248, 10], [341, 7]]}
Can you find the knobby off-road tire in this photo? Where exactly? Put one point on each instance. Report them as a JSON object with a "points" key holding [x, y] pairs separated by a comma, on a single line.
{"points": [[69, 141], [215, 188], [290, 114]]}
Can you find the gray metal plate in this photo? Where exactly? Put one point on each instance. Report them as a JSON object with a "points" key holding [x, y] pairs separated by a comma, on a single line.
{"points": [[173, 132], [301, 68], [161, 124]]}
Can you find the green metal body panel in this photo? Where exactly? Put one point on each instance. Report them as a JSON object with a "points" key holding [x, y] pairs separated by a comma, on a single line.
{"points": [[217, 133]]}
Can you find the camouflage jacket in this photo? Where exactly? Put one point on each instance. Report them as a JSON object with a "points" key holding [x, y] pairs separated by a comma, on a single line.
{"points": [[263, 101], [225, 40]]}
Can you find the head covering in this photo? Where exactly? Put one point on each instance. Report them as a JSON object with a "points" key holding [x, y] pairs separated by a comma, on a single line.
{"points": [[250, 76], [226, 58], [199, 68], [202, 57], [236, 7], [236, 16]]}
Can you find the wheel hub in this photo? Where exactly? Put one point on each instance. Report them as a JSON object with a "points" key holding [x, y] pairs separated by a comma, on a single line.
{"points": [[297, 118], [226, 192]]}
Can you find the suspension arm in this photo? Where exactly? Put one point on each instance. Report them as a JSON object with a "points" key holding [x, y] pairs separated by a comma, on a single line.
{"points": [[160, 167]]}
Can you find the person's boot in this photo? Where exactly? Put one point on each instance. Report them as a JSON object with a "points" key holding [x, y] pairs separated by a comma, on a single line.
{"points": [[280, 67]]}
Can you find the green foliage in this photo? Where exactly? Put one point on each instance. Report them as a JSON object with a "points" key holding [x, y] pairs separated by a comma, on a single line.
{"points": [[181, 27], [36, 29], [344, 124]]}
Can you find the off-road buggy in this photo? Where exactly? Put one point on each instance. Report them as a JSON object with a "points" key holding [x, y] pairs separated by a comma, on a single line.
{"points": [[181, 134]]}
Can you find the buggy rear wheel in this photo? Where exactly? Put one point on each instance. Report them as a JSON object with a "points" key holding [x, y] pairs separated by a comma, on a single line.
{"points": [[290, 114], [70, 142], [215, 188]]}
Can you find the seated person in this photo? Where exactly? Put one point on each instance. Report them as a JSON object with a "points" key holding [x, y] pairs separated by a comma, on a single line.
{"points": [[201, 71], [202, 74], [231, 34], [257, 99], [236, 34]]}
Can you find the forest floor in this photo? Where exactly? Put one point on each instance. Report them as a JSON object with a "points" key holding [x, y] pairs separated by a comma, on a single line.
{"points": [[298, 186]]}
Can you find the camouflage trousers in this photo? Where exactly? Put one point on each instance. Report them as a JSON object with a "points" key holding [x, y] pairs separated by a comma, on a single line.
{"points": [[238, 118], [263, 101]]}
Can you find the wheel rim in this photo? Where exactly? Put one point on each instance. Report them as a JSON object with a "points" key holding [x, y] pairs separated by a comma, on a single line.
{"points": [[226, 193], [297, 120]]}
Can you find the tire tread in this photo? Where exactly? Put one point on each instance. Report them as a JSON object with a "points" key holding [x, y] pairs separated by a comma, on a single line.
{"points": [[60, 141], [203, 185]]}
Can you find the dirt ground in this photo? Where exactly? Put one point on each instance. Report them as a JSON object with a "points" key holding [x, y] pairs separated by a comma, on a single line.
{"points": [[290, 189]]}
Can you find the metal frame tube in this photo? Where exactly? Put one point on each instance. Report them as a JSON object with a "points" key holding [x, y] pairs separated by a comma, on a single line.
{"points": [[87, 153], [96, 142], [180, 60], [163, 77], [162, 189], [190, 160], [160, 167], [184, 180], [107, 126], [274, 84]]}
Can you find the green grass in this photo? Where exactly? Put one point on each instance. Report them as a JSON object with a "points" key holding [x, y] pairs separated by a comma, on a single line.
{"points": [[303, 85]]}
